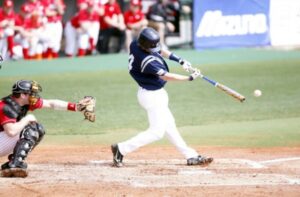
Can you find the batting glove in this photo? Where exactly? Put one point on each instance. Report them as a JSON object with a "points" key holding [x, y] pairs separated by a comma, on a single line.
{"points": [[186, 65], [196, 73]]}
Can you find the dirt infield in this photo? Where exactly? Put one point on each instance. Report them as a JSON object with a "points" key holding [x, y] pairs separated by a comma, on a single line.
{"points": [[157, 171]]}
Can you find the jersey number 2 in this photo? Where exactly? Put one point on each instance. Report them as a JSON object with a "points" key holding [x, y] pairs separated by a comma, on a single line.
{"points": [[130, 60]]}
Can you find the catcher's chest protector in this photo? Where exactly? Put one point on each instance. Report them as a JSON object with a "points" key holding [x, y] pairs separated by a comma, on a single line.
{"points": [[13, 110]]}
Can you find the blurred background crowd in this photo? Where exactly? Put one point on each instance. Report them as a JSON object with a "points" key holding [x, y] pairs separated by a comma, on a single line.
{"points": [[47, 29]]}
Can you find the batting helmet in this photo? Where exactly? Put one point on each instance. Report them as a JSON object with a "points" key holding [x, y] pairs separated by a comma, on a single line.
{"points": [[149, 40]]}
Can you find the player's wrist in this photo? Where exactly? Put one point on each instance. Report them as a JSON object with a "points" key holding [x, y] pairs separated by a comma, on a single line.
{"points": [[175, 58], [72, 106]]}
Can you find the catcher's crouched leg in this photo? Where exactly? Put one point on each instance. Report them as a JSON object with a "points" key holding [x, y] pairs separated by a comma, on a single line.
{"points": [[30, 136]]}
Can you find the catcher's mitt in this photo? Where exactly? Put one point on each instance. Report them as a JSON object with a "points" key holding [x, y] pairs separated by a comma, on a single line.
{"points": [[87, 106]]}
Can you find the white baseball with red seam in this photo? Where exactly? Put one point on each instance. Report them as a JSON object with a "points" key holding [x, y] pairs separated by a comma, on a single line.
{"points": [[257, 93]]}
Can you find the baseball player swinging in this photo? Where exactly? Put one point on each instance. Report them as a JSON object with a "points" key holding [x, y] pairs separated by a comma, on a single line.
{"points": [[20, 132], [148, 68]]}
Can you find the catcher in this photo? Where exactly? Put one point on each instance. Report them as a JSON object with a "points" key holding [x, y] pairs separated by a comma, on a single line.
{"points": [[20, 132]]}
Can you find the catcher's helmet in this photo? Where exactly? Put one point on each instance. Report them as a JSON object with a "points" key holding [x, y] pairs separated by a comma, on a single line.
{"points": [[22, 86], [149, 40], [27, 87]]}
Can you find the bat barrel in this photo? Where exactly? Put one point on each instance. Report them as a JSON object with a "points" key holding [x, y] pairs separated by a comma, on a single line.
{"points": [[231, 92], [226, 89]]}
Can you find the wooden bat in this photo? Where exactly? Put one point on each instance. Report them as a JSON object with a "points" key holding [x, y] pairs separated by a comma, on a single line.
{"points": [[226, 89]]}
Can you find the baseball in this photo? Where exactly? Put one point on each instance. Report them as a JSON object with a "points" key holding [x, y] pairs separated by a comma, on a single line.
{"points": [[257, 93]]}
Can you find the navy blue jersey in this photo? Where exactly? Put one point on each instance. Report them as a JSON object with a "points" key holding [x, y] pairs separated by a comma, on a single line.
{"points": [[146, 68]]}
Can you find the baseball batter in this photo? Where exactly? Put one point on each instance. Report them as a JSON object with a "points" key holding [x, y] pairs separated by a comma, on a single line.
{"points": [[148, 68], [20, 132]]}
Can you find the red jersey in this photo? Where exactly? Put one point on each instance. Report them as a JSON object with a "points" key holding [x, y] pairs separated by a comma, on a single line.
{"points": [[110, 10], [81, 1], [36, 8], [52, 5], [7, 16], [27, 23], [131, 18], [4, 119], [84, 16]]}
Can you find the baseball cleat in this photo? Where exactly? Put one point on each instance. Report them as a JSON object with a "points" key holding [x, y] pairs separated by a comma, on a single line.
{"points": [[199, 161], [117, 156], [8, 171]]}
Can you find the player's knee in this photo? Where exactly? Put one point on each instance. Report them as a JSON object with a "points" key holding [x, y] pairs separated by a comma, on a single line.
{"points": [[40, 129], [158, 133], [29, 134], [33, 132]]}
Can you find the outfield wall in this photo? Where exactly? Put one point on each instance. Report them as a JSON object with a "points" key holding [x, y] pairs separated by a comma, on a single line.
{"points": [[251, 23]]}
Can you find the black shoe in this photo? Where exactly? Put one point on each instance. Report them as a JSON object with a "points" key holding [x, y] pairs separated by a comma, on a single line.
{"points": [[117, 156], [5, 166], [199, 160]]}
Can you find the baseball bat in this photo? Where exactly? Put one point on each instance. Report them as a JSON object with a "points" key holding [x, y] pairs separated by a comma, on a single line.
{"points": [[226, 89]]}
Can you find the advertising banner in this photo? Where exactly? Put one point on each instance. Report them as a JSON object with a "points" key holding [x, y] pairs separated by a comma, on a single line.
{"points": [[285, 22], [234, 23]]}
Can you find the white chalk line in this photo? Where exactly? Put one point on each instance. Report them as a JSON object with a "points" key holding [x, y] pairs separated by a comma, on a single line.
{"points": [[252, 164], [280, 160]]}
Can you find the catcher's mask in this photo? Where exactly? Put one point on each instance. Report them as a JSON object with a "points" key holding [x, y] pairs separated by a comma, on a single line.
{"points": [[28, 87]]}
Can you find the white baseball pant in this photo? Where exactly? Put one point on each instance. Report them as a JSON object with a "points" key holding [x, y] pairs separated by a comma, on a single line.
{"points": [[3, 47], [70, 36], [3, 42], [75, 40], [94, 32], [54, 31], [161, 121], [7, 144]]}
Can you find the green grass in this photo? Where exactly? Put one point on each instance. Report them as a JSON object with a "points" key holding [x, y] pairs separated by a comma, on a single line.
{"points": [[204, 114]]}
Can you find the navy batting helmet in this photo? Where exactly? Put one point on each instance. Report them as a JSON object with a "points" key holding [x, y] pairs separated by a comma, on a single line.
{"points": [[149, 40]]}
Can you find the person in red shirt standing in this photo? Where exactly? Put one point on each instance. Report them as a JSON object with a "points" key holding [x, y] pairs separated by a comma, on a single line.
{"points": [[39, 41], [53, 10], [71, 27], [7, 22], [81, 30], [111, 24], [20, 132], [134, 20], [26, 32]]}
